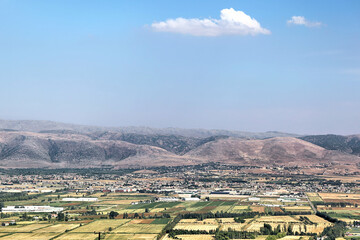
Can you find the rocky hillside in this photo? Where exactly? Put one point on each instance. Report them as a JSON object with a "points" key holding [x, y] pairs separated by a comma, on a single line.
{"points": [[59, 149], [346, 144], [284, 151]]}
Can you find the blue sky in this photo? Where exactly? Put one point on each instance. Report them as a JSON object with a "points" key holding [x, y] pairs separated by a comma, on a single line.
{"points": [[105, 63]]}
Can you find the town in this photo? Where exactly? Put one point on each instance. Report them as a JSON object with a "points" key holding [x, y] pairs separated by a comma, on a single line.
{"points": [[208, 201]]}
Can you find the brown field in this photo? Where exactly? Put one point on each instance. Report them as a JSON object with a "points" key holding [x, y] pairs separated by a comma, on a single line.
{"points": [[208, 208], [339, 196], [338, 208], [71, 204], [141, 221], [259, 209], [350, 201]]}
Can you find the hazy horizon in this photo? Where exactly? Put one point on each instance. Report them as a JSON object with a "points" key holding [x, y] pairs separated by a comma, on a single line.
{"points": [[234, 65]]}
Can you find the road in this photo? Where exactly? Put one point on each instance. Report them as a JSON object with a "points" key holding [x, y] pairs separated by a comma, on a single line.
{"points": [[311, 204]]}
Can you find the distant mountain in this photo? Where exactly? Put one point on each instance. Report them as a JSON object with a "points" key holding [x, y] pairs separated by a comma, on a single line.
{"points": [[49, 126], [346, 144], [45, 144], [20, 149], [279, 151], [173, 143]]}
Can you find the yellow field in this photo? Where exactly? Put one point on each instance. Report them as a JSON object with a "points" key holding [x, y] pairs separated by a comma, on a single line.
{"points": [[341, 196], [226, 220], [130, 236], [57, 228], [30, 236], [76, 236], [191, 237], [205, 221], [294, 237], [195, 237], [156, 209], [297, 208], [233, 226], [140, 228], [118, 202], [100, 225], [285, 221], [188, 221], [311, 194], [202, 227], [22, 228], [276, 219]]}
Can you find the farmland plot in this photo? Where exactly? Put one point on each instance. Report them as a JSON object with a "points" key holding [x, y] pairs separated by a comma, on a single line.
{"points": [[22, 228], [101, 225], [57, 228], [201, 227], [30, 236], [140, 228], [130, 236]]}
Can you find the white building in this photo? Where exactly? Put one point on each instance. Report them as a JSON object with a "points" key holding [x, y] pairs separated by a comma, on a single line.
{"points": [[168, 199], [253, 199], [11, 209], [80, 199], [192, 199]]}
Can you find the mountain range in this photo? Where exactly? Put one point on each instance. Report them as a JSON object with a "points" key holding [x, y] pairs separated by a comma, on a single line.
{"points": [[46, 144]]}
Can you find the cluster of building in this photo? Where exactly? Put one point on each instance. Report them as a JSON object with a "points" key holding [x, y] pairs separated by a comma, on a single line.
{"points": [[35, 209]]}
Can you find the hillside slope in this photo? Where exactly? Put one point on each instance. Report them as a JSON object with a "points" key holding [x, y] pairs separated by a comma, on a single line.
{"points": [[346, 144], [284, 151], [70, 150]]}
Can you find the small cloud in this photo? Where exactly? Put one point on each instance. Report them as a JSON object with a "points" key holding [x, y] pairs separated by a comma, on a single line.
{"points": [[300, 20], [231, 22]]}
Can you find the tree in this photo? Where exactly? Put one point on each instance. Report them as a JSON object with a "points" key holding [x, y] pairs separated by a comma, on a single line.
{"points": [[113, 214], [60, 216]]}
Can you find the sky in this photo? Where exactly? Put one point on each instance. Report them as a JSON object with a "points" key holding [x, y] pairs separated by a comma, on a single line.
{"points": [[291, 66]]}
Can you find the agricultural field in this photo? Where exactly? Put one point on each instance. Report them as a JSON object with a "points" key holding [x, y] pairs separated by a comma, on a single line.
{"points": [[101, 225], [191, 237], [143, 228], [297, 208], [314, 225], [210, 224], [314, 197], [140, 216], [23, 228]]}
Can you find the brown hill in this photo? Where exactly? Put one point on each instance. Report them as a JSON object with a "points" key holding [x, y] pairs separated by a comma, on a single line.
{"points": [[274, 151], [72, 150]]}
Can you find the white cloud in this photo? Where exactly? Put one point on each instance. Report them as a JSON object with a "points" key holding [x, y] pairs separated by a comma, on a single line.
{"points": [[231, 22], [300, 20]]}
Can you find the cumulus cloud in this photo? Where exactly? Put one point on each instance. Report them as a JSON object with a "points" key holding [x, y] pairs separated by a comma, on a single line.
{"points": [[300, 20], [231, 22]]}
